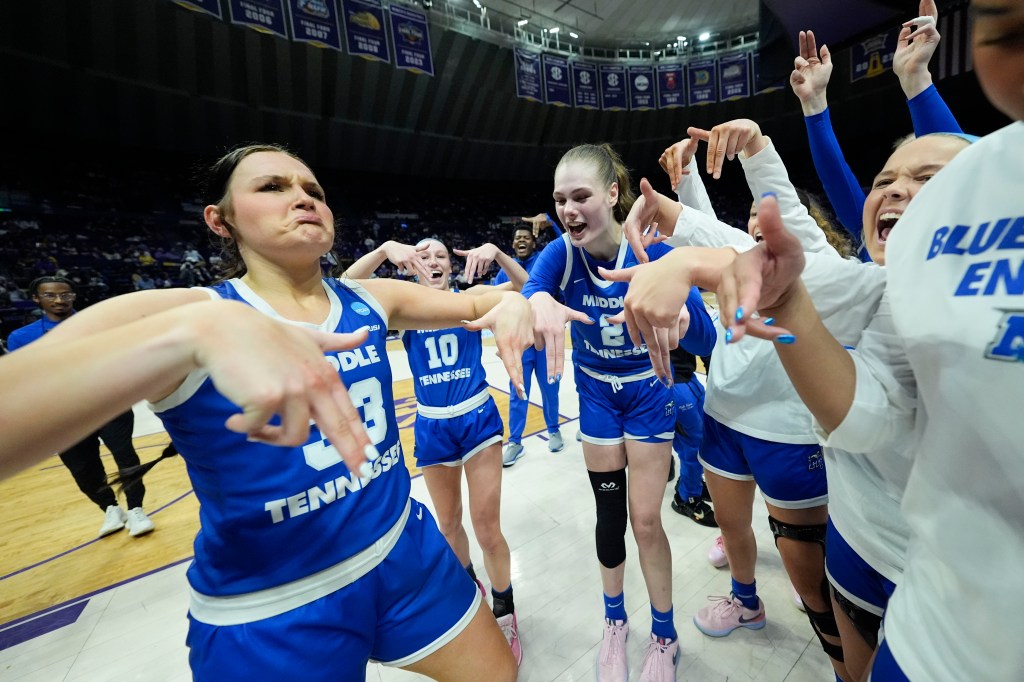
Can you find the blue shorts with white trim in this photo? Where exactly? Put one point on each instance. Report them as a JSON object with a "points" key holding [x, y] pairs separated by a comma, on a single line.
{"points": [[641, 410], [415, 601]]}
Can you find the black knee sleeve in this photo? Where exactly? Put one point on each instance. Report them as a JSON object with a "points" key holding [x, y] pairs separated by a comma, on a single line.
{"points": [[866, 623], [822, 622], [612, 515]]}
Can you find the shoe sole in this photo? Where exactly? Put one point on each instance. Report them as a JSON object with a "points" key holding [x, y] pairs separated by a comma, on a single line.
{"points": [[135, 534], [756, 625], [706, 522], [506, 465], [104, 534], [557, 449]]}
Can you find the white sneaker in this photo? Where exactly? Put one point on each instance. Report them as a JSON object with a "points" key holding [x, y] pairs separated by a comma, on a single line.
{"points": [[113, 520], [555, 443], [513, 451], [138, 523]]}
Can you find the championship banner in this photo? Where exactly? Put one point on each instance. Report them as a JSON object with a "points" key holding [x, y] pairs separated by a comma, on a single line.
{"points": [[613, 87], [207, 6], [411, 34], [584, 85], [266, 16], [528, 85], [314, 22], [734, 77], [364, 30], [671, 93], [755, 70], [642, 91], [872, 56], [556, 80], [700, 77]]}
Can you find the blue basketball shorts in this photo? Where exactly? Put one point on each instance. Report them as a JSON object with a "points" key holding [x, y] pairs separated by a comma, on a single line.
{"points": [[410, 605], [453, 441], [638, 410], [854, 577], [789, 476], [885, 668]]}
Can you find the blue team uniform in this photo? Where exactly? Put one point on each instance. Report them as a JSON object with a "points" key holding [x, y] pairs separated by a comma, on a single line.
{"points": [[535, 362], [293, 542], [456, 416], [620, 397], [22, 336]]}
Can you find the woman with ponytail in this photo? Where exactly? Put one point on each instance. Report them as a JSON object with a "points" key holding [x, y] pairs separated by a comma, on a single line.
{"points": [[627, 415]]}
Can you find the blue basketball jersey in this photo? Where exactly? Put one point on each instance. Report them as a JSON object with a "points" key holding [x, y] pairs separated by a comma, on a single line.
{"points": [[271, 515], [446, 365], [602, 346]]}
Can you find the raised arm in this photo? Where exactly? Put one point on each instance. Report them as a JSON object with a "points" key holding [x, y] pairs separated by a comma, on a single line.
{"points": [[261, 365], [809, 81], [403, 255], [478, 263], [915, 46]]}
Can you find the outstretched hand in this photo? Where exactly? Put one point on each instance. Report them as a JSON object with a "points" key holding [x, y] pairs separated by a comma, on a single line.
{"points": [[537, 222], [728, 139], [811, 73], [917, 42], [268, 368], [550, 318], [478, 261], [639, 227], [760, 279], [676, 159], [511, 321]]}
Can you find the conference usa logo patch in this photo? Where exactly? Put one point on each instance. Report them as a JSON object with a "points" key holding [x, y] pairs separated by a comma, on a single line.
{"points": [[1008, 344]]}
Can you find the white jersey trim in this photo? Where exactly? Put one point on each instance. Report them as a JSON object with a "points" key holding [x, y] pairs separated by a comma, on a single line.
{"points": [[192, 382], [469, 455], [456, 410], [273, 601], [367, 297], [866, 605]]}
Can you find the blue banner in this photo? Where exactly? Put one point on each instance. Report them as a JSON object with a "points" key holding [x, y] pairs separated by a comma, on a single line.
{"points": [[364, 29], [208, 6], [556, 80], [671, 90], [642, 89], [315, 22], [613, 87], [873, 56], [584, 85], [266, 16], [700, 79], [755, 69], [528, 84], [734, 77], [411, 34]]}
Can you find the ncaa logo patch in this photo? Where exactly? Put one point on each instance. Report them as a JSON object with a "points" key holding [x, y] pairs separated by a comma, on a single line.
{"points": [[1008, 345], [360, 308]]}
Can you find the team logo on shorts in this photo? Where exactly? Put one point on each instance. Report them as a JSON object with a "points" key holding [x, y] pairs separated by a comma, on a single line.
{"points": [[670, 408], [360, 308], [815, 460]]}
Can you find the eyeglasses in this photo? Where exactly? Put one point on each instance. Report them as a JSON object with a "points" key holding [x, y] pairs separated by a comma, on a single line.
{"points": [[68, 296]]}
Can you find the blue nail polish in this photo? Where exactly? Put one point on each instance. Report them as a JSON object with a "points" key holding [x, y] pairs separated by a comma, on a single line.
{"points": [[739, 314], [786, 339], [551, 379], [769, 321], [667, 381], [728, 335], [558, 377], [590, 319], [768, 194]]}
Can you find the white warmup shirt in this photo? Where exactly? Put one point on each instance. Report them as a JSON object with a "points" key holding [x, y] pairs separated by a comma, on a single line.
{"points": [[956, 339]]}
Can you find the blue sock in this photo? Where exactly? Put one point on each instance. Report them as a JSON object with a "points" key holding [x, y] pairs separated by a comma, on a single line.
{"points": [[615, 607], [747, 594], [662, 624]]}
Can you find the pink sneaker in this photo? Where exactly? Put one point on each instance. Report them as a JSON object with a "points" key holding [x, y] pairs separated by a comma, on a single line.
{"points": [[611, 661], [726, 614], [660, 661], [510, 628], [483, 592], [716, 555]]}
